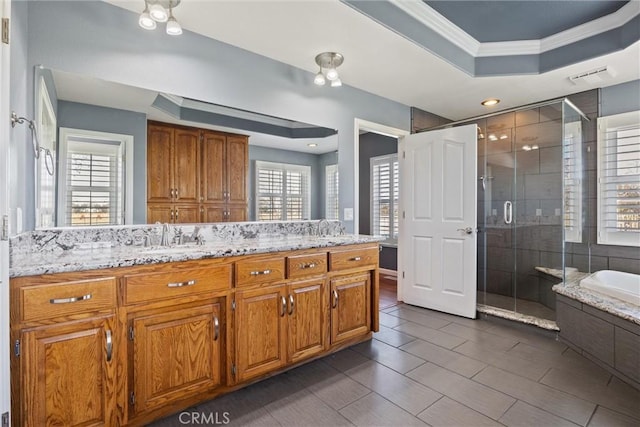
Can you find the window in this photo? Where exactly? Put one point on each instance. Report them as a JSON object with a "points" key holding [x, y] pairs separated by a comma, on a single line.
{"points": [[384, 196], [282, 191], [619, 179], [92, 178], [331, 210], [572, 186]]}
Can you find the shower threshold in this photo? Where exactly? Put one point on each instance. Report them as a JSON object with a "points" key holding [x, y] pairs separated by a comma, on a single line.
{"points": [[517, 317]]}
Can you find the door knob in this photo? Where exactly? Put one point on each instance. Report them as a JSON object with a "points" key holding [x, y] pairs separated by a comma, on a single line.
{"points": [[467, 230]]}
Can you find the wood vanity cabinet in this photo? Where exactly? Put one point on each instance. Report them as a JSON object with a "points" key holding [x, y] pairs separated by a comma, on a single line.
{"points": [[64, 342], [129, 345], [195, 175], [176, 329]]}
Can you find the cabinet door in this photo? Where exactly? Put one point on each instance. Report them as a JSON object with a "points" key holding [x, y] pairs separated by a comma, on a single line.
{"points": [[159, 213], [260, 331], [350, 306], [236, 213], [186, 213], [176, 355], [68, 374], [307, 319], [159, 164], [213, 213], [237, 161], [186, 153], [213, 168]]}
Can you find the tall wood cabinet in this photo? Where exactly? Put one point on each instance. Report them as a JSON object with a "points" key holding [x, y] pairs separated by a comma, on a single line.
{"points": [[195, 175]]}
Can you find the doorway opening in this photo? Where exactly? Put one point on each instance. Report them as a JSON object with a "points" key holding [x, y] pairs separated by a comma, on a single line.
{"points": [[377, 198]]}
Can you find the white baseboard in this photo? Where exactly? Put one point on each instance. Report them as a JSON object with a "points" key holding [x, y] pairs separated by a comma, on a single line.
{"points": [[387, 272]]}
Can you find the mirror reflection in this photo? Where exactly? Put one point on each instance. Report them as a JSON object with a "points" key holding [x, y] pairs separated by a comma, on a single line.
{"points": [[129, 155]]}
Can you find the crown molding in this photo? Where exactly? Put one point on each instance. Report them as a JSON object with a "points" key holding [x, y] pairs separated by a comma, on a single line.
{"points": [[447, 29]]}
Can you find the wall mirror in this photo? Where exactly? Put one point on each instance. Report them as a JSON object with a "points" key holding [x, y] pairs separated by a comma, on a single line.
{"points": [[75, 112]]}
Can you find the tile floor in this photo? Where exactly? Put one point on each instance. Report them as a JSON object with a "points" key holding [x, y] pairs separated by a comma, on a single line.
{"points": [[430, 368]]}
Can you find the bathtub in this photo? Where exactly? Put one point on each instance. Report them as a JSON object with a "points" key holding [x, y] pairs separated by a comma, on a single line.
{"points": [[617, 284]]}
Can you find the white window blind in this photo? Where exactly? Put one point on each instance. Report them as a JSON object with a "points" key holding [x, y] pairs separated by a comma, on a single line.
{"points": [[619, 179], [331, 192], [384, 196], [282, 191], [94, 193], [572, 185]]}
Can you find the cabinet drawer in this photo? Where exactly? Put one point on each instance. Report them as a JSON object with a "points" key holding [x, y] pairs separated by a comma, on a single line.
{"points": [[352, 258], [257, 271], [177, 283], [306, 265], [61, 299]]}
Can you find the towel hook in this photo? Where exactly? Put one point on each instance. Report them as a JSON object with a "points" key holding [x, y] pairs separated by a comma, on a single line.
{"points": [[48, 156]]}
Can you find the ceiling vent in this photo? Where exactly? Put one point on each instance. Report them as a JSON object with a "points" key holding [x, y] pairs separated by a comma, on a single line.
{"points": [[593, 77]]}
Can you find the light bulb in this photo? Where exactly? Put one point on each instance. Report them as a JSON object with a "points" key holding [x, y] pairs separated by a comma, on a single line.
{"points": [[534, 147], [319, 79], [146, 22], [336, 83], [526, 147], [332, 74], [173, 27], [158, 13]]}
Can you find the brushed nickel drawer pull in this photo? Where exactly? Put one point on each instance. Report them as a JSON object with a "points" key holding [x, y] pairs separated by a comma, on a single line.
{"points": [[335, 299], [258, 273], [181, 284], [216, 328], [310, 265], [291, 304], [68, 300], [109, 345], [356, 258], [284, 307]]}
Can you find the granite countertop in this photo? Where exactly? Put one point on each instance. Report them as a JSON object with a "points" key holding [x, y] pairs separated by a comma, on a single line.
{"points": [[103, 255], [615, 306]]}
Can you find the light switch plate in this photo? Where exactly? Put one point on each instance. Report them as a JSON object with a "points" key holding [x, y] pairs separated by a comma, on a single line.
{"points": [[348, 214], [558, 211], [538, 212]]}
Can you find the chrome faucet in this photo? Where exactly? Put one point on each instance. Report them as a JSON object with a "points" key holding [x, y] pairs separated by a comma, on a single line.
{"points": [[164, 240]]}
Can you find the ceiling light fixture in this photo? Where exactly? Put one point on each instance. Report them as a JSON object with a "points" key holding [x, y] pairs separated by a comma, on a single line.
{"points": [[328, 63], [490, 102], [160, 11]]}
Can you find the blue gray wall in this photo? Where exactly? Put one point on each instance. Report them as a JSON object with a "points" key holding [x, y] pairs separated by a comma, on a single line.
{"points": [[620, 98], [114, 48], [101, 119]]}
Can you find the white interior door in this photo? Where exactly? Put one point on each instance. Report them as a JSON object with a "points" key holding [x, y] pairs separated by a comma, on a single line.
{"points": [[438, 199], [5, 393]]}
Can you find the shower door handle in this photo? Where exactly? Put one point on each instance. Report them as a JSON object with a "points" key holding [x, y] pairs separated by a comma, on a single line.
{"points": [[508, 212]]}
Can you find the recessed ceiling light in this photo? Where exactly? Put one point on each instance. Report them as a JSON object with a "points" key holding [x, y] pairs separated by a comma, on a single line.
{"points": [[490, 102], [312, 145]]}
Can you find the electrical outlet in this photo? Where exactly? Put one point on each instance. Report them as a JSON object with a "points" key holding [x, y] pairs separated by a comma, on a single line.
{"points": [[558, 211], [5, 419], [494, 212], [538, 212]]}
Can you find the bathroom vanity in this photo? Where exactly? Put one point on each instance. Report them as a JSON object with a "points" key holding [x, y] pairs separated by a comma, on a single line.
{"points": [[154, 330]]}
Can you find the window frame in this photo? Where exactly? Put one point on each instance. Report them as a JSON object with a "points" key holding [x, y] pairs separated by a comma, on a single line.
{"points": [[126, 143], [332, 202], [607, 124], [394, 188], [285, 167]]}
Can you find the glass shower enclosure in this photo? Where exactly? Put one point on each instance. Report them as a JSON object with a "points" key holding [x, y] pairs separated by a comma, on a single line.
{"points": [[530, 204]]}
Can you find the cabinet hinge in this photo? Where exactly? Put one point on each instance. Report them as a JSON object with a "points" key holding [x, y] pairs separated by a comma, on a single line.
{"points": [[403, 217], [132, 398], [233, 305], [4, 232], [404, 154], [16, 348], [5, 30], [403, 274], [5, 419], [132, 334], [233, 370]]}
